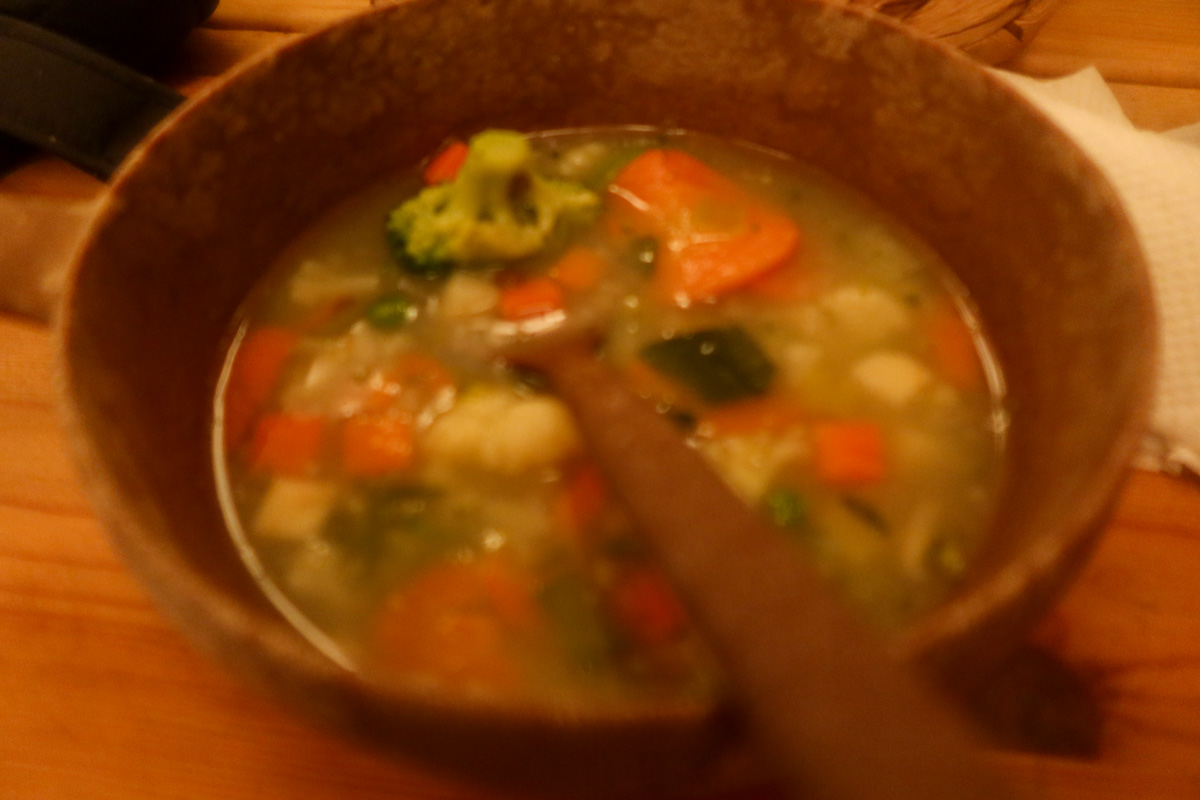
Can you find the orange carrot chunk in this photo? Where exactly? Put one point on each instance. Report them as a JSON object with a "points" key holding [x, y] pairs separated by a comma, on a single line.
{"points": [[531, 298], [849, 453], [790, 283], [747, 417], [510, 593], [647, 608], [578, 270], [954, 350], [584, 496], [287, 444], [459, 622], [373, 446], [703, 269], [445, 165], [256, 369], [715, 236]]}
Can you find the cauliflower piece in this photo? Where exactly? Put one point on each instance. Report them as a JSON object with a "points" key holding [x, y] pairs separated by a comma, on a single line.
{"points": [[795, 360], [294, 509], [895, 378], [466, 295], [748, 464], [499, 431], [867, 312]]}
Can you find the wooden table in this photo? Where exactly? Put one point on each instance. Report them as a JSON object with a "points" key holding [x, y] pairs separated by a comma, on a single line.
{"points": [[99, 698]]}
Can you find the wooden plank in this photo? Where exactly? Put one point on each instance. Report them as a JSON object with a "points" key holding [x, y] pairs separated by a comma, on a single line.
{"points": [[1153, 42], [26, 363], [1158, 108], [103, 700], [1130, 627], [43, 476]]}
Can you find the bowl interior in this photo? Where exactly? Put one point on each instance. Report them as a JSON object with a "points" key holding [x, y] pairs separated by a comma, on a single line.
{"points": [[204, 206]]}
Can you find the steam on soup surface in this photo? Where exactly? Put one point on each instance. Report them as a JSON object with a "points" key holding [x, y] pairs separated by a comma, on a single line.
{"points": [[415, 504]]}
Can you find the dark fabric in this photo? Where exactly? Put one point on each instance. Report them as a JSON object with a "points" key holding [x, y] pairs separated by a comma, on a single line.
{"points": [[141, 34], [61, 96]]}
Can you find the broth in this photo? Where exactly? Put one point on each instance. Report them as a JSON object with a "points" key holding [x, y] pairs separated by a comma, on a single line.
{"points": [[415, 504]]}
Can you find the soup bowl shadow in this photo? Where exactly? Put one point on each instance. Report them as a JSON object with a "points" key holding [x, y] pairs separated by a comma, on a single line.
{"points": [[203, 207]]}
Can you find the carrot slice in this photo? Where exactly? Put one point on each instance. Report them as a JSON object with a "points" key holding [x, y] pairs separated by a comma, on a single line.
{"points": [[667, 184], [717, 237], [287, 444], [530, 298], [459, 622], [256, 369], [583, 498], [510, 593], [578, 270], [745, 417], [445, 165], [376, 445], [789, 283], [849, 453], [647, 608], [954, 351], [704, 269]]}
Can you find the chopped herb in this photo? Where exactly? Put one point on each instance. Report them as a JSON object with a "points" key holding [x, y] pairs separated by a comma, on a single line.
{"points": [[412, 526], [573, 608], [365, 523], [399, 505], [867, 513], [787, 508]]}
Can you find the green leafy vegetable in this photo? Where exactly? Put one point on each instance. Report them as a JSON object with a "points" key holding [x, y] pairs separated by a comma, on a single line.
{"points": [[719, 364]]}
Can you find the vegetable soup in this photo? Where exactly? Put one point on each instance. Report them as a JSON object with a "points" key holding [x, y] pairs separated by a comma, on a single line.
{"points": [[415, 503]]}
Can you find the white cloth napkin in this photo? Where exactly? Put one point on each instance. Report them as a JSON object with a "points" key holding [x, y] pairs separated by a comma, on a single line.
{"points": [[1157, 176]]}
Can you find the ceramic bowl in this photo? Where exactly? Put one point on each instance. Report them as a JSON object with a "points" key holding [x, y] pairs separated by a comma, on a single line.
{"points": [[200, 210]]}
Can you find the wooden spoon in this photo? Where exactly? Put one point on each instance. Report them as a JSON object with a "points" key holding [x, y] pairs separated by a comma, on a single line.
{"points": [[836, 716]]}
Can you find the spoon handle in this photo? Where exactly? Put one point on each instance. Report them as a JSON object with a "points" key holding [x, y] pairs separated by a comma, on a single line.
{"points": [[837, 717]]}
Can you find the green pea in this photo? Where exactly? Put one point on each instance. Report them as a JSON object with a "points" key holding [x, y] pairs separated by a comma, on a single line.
{"points": [[390, 311], [787, 508]]}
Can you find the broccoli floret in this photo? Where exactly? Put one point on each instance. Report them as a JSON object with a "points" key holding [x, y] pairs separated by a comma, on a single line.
{"points": [[496, 209]]}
